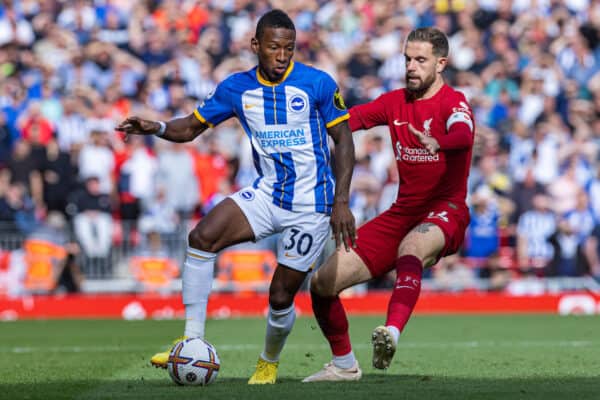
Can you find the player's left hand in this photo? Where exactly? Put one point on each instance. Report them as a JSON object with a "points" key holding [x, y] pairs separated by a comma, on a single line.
{"points": [[343, 225], [430, 144]]}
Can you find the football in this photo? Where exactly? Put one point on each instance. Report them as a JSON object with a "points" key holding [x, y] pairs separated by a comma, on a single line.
{"points": [[193, 362]]}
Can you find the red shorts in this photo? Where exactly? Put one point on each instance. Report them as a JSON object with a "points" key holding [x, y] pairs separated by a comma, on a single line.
{"points": [[379, 239]]}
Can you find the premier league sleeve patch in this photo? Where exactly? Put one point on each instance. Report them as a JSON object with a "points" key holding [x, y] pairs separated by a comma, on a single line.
{"points": [[338, 101]]}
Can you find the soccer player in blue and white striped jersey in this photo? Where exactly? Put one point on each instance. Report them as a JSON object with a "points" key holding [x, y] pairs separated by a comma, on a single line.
{"points": [[287, 110]]}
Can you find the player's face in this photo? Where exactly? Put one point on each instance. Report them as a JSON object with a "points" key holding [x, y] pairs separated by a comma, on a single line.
{"points": [[422, 66], [275, 50]]}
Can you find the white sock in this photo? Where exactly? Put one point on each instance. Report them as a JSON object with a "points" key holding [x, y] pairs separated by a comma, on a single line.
{"points": [[197, 277], [346, 361], [395, 333], [195, 319], [279, 325]]}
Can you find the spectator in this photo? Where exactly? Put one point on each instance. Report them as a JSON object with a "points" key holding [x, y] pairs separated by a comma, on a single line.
{"points": [[482, 237], [565, 188], [574, 229], [6, 141], [534, 229], [175, 173], [68, 69], [98, 161], [210, 167], [71, 132], [92, 223], [24, 169], [114, 28], [36, 128], [160, 217], [523, 192], [17, 210], [14, 28], [136, 179], [58, 177]]}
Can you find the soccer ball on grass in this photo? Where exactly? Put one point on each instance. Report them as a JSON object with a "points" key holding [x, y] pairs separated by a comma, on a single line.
{"points": [[193, 362]]}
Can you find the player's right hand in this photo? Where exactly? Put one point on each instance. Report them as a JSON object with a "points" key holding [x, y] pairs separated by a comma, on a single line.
{"points": [[428, 142], [343, 225], [138, 126]]}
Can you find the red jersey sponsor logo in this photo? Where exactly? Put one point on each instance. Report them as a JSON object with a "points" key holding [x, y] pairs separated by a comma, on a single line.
{"points": [[414, 154]]}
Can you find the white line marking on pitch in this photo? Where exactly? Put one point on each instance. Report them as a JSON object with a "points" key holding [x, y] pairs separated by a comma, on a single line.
{"points": [[231, 347]]}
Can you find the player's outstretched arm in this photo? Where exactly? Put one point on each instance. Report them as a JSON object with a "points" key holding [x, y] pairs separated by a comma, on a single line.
{"points": [[184, 129], [342, 220]]}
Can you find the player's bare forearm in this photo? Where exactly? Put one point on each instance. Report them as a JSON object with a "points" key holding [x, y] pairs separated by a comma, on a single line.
{"points": [[344, 160], [342, 221], [184, 129]]}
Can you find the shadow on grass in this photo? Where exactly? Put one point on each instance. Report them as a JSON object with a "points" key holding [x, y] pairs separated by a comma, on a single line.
{"points": [[372, 386]]}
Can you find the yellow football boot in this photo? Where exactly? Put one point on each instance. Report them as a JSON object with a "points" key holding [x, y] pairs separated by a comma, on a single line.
{"points": [[160, 360], [266, 373]]}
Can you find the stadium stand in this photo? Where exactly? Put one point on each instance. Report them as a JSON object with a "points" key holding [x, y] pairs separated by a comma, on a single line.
{"points": [[71, 70]]}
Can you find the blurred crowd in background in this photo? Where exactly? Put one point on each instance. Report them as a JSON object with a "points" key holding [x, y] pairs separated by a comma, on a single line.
{"points": [[70, 71]]}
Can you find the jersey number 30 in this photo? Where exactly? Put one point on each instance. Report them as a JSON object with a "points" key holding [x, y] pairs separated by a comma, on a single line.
{"points": [[303, 243]]}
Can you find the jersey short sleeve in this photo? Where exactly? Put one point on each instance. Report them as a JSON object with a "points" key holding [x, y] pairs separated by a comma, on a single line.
{"points": [[368, 115], [330, 102], [217, 106]]}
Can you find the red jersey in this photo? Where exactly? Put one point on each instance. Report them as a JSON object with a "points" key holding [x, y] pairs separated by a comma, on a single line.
{"points": [[423, 177]]}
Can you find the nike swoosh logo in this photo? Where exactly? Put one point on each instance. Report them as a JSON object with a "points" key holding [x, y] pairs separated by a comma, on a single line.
{"points": [[404, 287], [288, 255], [399, 123], [249, 106]]}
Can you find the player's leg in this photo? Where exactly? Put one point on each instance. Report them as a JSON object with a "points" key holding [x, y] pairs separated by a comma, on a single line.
{"points": [[280, 321], [377, 246], [341, 270], [419, 248], [302, 240], [439, 234], [224, 225]]}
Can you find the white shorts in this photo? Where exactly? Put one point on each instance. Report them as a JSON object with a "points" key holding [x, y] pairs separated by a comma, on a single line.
{"points": [[303, 234]]}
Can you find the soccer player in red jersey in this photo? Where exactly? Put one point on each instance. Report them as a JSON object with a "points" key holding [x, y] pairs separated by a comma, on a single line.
{"points": [[432, 129]]}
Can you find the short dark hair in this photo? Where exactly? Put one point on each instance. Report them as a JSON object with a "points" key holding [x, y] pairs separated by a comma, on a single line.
{"points": [[274, 19], [437, 38]]}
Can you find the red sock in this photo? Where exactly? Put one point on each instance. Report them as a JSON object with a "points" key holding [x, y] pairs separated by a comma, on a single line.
{"points": [[409, 271], [331, 317]]}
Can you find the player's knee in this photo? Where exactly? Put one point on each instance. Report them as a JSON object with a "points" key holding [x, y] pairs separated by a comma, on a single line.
{"points": [[199, 239], [409, 249], [427, 254], [321, 287], [280, 299], [427, 259]]}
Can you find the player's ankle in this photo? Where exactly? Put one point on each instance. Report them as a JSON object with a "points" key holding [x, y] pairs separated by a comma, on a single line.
{"points": [[394, 332], [344, 362]]}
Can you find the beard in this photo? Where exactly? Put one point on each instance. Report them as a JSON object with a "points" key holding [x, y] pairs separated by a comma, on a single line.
{"points": [[417, 89]]}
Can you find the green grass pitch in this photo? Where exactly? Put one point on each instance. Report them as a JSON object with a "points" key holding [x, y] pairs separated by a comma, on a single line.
{"points": [[439, 357]]}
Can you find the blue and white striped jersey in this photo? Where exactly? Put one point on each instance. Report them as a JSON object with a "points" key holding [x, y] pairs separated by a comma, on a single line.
{"points": [[286, 123], [537, 227]]}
